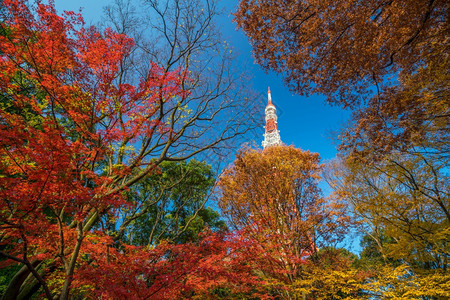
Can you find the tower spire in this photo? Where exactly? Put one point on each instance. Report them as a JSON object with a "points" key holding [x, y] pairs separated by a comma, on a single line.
{"points": [[272, 134], [269, 96]]}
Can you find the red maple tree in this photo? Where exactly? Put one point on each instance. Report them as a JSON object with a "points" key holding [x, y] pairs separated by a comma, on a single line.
{"points": [[64, 114]]}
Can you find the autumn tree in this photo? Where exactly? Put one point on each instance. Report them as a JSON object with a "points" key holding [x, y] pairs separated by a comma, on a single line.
{"points": [[184, 34], [402, 202], [342, 49], [333, 274], [76, 133], [217, 264], [273, 194]]}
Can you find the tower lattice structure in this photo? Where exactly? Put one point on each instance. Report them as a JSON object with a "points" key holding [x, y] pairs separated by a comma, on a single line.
{"points": [[272, 134]]}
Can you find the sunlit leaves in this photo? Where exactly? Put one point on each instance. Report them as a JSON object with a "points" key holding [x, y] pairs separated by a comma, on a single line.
{"points": [[273, 194], [342, 48], [62, 114]]}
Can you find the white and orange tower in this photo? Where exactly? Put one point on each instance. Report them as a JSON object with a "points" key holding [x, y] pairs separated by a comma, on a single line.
{"points": [[272, 134]]}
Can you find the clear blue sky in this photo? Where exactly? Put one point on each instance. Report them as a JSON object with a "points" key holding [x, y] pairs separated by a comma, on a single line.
{"points": [[305, 122]]}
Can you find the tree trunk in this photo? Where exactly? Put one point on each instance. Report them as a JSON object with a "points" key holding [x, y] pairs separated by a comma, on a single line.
{"points": [[13, 289]]}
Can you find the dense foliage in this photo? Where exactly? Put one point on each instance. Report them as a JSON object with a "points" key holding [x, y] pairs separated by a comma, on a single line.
{"points": [[274, 195]]}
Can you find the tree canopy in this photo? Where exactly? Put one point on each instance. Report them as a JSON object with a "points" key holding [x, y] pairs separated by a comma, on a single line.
{"points": [[342, 48]]}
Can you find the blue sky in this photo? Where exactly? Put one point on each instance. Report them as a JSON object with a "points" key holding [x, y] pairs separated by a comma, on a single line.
{"points": [[305, 122]]}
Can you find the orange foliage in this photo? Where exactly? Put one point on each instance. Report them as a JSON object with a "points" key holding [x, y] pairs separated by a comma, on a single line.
{"points": [[340, 48], [274, 195]]}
